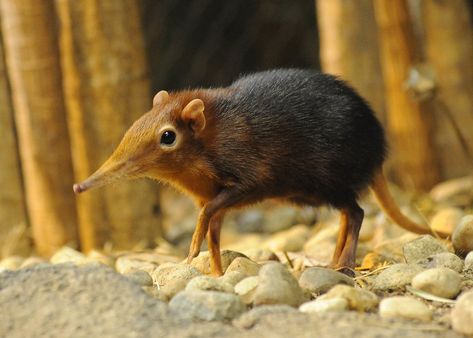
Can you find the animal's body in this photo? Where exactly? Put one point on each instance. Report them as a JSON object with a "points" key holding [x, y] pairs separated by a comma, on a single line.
{"points": [[294, 135]]}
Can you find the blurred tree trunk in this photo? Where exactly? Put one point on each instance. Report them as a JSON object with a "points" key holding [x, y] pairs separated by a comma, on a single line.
{"points": [[33, 67], [408, 126], [107, 88], [349, 46], [13, 219], [448, 29]]}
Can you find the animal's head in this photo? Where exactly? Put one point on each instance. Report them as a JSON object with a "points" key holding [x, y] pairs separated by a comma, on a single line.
{"points": [[158, 145]]}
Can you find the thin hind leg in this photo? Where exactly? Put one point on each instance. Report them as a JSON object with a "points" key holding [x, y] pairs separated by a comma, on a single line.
{"points": [[355, 216], [342, 237]]}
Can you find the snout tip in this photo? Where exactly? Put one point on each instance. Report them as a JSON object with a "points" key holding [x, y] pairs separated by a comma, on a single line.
{"points": [[78, 188]]}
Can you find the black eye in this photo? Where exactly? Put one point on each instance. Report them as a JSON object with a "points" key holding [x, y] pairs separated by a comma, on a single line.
{"points": [[168, 137]]}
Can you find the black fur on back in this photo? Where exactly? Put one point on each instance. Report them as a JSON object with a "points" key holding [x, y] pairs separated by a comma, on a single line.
{"points": [[297, 134]]}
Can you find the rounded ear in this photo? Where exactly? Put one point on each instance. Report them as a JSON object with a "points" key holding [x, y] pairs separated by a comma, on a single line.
{"points": [[193, 114], [161, 96]]}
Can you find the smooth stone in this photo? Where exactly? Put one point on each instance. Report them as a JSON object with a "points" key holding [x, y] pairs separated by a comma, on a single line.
{"points": [[232, 277], [68, 255], [441, 282], [125, 265], [206, 305], [421, 248], [396, 277], [279, 219], [207, 283], [292, 239], [246, 289], [404, 307], [139, 277], [11, 262], [443, 260], [172, 278], [325, 305], [202, 261], [31, 261], [445, 220], [250, 318], [154, 292], [320, 280], [244, 265], [358, 299], [391, 249], [444, 191], [261, 255], [468, 267], [462, 237], [276, 285], [462, 314]]}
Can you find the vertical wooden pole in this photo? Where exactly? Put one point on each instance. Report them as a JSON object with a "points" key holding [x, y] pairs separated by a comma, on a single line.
{"points": [[349, 46], [408, 125], [448, 29], [107, 88], [12, 201], [34, 70]]}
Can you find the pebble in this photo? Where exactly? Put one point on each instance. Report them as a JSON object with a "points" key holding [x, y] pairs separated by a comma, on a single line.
{"points": [[441, 282], [261, 255], [445, 220], [246, 289], [102, 258], [462, 237], [31, 261], [244, 265], [396, 277], [276, 285], [421, 248], [206, 305], [279, 219], [292, 239], [391, 249], [320, 280], [125, 265], [154, 292], [462, 314], [443, 260], [404, 307], [202, 262], [468, 268], [172, 278], [139, 277], [232, 277], [249, 319], [68, 255], [336, 304], [11, 262], [445, 191], [358, 299], [208, 283], [374, 260]]}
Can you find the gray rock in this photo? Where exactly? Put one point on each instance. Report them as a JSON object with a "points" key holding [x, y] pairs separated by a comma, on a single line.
{"points": [[154, 292], [396, 277], [206, 305], [250, 318], [125, 264], [172, 278], [276, 285], [421, 248], [462, 237], [209, 284], [443, 260], [232, 277], [462, 314], [139, 277], [261, 255], [320, 280], [441, 282], [404, 307], [468, 267], [325, 305], [292, 239], [244, 265], [358, 299], [279, 219], [202, 262]]}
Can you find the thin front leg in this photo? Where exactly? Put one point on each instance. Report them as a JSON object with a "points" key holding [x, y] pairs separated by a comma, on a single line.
{"points": [[213, 240], [342, 237], [223, 200]]}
